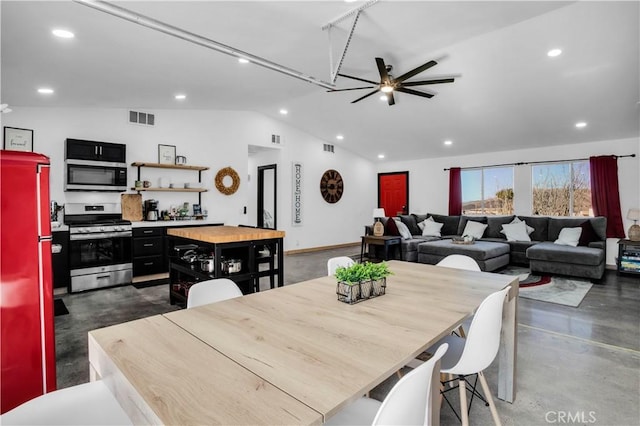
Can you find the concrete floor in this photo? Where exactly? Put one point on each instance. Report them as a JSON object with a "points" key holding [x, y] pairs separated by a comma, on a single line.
{"points": [[575, 365]]}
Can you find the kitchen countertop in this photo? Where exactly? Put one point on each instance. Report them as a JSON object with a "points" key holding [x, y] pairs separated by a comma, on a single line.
{"points": [[60, 228], [225, 234], [171, 223]]}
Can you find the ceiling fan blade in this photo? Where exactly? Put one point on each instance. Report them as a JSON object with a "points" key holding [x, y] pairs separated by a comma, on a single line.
{"points": [[382, 69], [351, 88], [434, 81], [390, 99], [365, 96], [415, 71], [414, 92], [358, 78]]}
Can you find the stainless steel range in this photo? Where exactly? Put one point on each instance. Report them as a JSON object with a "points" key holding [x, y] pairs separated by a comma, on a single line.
{"points": [[100, 246]]}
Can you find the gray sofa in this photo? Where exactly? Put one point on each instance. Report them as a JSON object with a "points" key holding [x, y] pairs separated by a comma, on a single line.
{"points": [[540, 254]]}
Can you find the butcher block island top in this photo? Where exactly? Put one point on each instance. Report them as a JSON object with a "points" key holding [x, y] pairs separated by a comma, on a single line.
{"points": [[225, 234]]}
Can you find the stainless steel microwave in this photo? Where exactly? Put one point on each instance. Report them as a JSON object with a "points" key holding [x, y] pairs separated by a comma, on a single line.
{"points": [[89, 175]]}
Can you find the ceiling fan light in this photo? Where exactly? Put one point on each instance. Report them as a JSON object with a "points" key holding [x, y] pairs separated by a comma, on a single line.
{"points": [[386, 89]]}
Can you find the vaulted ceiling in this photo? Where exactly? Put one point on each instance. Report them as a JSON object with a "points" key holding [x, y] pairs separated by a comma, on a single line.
{"points": [[508, 93]]}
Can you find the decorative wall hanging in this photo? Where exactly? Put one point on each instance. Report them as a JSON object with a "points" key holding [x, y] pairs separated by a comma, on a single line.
{"points": [[166, 154], [296, 194], [17, 139], [235, 181], [331, 186]]}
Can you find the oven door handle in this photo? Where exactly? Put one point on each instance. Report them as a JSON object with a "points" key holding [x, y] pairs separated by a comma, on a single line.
{"points": [[98, 236]]}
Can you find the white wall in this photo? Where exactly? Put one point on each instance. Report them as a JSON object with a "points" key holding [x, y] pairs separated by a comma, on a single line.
{"points": [[429, 183], [215, 139]]}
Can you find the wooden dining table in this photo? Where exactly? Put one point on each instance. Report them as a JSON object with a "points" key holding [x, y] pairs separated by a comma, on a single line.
{"points": [[291, 355]]}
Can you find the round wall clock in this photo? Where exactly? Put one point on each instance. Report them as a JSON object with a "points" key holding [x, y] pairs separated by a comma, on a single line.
{"points": [[331, 186]]}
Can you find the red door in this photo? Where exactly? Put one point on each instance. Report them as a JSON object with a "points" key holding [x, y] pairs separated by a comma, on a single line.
{"points": [[393, 193]]}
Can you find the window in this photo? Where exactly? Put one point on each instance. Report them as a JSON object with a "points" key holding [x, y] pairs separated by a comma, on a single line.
{"points": [[487, 191], [562, 189]]}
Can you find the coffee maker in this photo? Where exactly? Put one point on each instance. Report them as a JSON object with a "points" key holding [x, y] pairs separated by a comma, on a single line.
{"points": [[151, 210]]}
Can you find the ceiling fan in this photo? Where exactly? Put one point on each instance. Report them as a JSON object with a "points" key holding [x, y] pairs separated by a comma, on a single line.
{"points": [[389, 84]]}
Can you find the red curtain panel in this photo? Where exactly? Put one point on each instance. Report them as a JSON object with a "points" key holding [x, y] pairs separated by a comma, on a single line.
{"points": [[605, 196], [455, 192]]}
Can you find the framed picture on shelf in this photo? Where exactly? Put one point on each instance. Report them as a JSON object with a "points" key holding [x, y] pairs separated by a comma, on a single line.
{"points": [[17, 139], [166, 154]]}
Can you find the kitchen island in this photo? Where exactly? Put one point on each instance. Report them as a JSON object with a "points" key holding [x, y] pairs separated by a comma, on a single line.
{"points": [[209, 252]]}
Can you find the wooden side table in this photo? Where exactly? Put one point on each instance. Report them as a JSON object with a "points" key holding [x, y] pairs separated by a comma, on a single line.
{"points": [[385, 241]]}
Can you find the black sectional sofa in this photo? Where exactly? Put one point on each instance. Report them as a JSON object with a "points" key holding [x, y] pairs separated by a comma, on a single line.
{"points": [[541, 254]]}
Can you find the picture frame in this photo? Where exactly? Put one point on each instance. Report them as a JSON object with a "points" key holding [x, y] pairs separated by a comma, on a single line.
{"points": [[166, 154], [17, 139]]}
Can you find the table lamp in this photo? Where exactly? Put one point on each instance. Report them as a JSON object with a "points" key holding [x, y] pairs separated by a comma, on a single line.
{"points": [[634, 230], [378, 227]]}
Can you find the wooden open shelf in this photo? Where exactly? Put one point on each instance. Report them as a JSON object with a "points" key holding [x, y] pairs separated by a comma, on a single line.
{"points": [[169, 166]]}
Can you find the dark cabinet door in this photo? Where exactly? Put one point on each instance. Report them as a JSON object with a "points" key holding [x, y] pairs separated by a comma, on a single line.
{"points": [[60, 259], [113, 152], [82, 150], [78, 149]]}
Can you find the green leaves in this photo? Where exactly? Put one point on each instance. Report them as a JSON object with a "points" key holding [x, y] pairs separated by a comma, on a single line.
{"points": [[363, 272]]}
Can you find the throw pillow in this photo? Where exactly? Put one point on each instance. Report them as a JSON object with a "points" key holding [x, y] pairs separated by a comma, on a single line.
{"points": [[569, 236], [475, 229], [530, 229], [431, 228], [516, 231], [588, 234], [421, 224], [391, 229], [403, 229]]}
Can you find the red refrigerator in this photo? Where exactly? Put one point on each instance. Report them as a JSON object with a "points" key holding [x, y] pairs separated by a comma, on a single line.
{"points": [[27, 342]]}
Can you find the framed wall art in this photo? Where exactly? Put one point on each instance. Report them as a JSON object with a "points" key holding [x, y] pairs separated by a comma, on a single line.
{"points": [[17, 139], [166, 154]]}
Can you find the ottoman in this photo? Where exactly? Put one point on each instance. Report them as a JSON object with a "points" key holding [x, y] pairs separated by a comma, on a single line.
{"points": [[489, 256]]}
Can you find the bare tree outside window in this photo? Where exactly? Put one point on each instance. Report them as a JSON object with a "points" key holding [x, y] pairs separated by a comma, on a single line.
{"points": [[487, 191], [562, 189]]}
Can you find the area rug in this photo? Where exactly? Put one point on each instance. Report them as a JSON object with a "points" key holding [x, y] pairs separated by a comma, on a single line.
{"points": [[561, 290], [59, 308]]}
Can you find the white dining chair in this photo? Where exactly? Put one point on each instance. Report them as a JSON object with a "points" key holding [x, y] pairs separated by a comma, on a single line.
{"points": [[459, 261], [336, 262], [407, 403], [86, 404], [211, 291], [474, 354]]}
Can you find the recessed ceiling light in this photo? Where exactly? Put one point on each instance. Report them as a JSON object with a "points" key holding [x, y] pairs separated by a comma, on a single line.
{"points": [[381, 156], [181, 97], [554, 52], [45, 90], [62, 33], [581, 124], [448, 142], [243, 60], [284, 111], [339, 137]]}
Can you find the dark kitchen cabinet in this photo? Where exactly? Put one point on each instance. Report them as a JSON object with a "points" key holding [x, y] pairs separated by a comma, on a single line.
{"points": [[60, 259], [148, 251], [77, 149]]}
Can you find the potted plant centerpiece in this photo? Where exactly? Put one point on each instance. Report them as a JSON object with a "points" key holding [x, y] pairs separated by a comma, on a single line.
{"points": [[361, 281]]}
